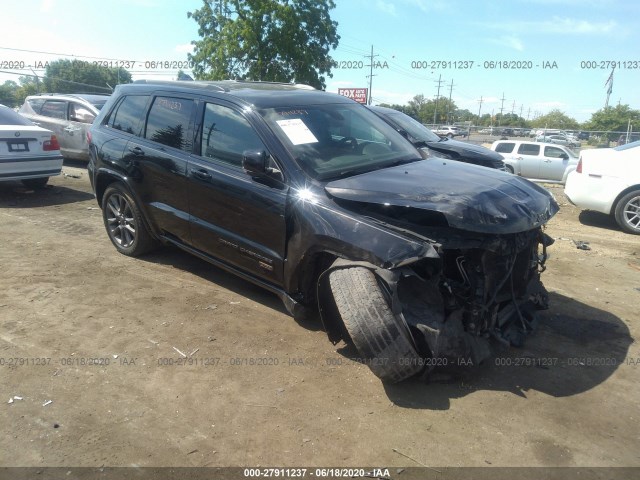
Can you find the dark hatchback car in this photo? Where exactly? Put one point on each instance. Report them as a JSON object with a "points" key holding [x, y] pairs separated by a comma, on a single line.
{"points": [[425, 139], [318, 200]]}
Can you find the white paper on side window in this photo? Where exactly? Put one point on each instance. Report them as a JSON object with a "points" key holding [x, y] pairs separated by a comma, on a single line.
{"points": [[297, 131]]}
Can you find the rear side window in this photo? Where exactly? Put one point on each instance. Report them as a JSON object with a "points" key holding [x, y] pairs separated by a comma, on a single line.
{"points": [[553, 152], [168, 122], [506, 147], [127, 115], [226, 135], [529, 149], [54, 109]]}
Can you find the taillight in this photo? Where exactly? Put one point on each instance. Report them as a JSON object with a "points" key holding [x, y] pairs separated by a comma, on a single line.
{"points": [[51, 144], [88, 137], [579, 167]]}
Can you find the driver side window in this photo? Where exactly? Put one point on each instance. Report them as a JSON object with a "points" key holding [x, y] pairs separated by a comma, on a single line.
{"points": [[226, 135]]}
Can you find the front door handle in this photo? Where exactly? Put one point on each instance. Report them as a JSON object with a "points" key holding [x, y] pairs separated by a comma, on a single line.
{"points": [[201, 174], [137, 151]]}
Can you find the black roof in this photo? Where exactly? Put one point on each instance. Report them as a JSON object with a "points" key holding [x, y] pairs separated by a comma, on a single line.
{"points": [[258, 94]]}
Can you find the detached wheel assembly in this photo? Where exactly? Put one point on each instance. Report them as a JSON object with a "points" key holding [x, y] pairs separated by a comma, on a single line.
{"points": [[381, 338]]}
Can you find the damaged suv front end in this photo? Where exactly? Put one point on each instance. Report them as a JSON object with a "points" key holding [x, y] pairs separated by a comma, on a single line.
{"points": [[437, 262]]}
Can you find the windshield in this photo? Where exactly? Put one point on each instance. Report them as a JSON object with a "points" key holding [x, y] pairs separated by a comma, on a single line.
{"points": [[414, 128], [332, 141]]}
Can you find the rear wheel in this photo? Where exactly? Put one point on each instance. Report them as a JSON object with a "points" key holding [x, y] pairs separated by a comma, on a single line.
{"points": [[381, 338], [628, 212], [509, 168], [35, 183], [123, 221]]}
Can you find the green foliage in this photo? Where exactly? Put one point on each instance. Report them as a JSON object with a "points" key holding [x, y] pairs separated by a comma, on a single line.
{"points": [[75, 76], [269, 40], [8, 93], [555, 119], [12, 94], [613, 119]]}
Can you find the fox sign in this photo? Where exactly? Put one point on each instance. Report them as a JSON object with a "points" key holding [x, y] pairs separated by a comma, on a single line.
{"points": [[357, 94]]}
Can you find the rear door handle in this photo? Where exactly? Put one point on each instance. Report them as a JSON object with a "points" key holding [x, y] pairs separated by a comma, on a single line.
{"points": [[201, 174], [137, 151]]}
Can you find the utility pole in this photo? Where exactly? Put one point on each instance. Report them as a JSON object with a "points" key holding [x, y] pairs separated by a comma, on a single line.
{"points": [[513, 107], [479, 108], [449, 106], [435, 113], [521, 107], [528, 113], [371, 75], [501, 108]]}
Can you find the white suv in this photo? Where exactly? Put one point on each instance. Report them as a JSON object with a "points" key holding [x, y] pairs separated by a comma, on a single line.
{"points": [[448, 131], [537, 161]]}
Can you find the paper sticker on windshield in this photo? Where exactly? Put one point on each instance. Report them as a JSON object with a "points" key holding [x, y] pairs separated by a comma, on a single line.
{"points": [[297, 131]]}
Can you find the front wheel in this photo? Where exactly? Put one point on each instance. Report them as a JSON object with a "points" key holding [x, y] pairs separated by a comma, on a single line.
{"points": [[627, 212], [124, 223], [382, 339]]}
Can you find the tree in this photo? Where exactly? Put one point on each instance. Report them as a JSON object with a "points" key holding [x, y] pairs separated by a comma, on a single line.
{"points": [[613, 119], [8, 92], [555, 119], [270, 40], [73, 76]]}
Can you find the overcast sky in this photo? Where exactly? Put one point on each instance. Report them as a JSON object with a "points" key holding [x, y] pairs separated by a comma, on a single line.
{"points": [[489, 50]]}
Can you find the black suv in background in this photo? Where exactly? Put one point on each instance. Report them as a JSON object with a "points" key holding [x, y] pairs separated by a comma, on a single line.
{"points": [[423, 138], [318, 200]]}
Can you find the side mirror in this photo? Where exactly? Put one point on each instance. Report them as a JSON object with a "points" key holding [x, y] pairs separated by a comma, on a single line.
{"points": [[404, 133], [254, 162], [564, 156]]}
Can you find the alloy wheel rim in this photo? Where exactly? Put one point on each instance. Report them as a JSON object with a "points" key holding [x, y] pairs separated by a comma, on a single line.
{"points": [[120, 221], [632, 213]]}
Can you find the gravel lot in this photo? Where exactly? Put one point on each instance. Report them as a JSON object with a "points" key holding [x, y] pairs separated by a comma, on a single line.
{"points": [[168, 361]]}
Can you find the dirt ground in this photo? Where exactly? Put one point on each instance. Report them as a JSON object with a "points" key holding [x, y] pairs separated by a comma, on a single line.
{"points": [[168, 361]]}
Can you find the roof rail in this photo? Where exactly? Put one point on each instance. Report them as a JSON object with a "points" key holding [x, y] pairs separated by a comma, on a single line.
{"points": [[211, 84]]}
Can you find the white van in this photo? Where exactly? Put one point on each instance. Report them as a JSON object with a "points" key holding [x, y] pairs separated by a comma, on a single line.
{"points": [[536, 160]]}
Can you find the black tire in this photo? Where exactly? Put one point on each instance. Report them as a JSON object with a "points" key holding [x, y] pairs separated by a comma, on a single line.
{"points": [[124, 223], [380, 337], [509, 168], [628, 212], [35, 183]]}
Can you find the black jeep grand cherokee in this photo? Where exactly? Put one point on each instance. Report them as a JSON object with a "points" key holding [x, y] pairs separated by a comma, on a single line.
{"points": [[315, 198]]}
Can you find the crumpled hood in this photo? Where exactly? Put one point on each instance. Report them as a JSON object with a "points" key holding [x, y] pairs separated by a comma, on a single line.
{"points": [[471, 198]]}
